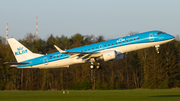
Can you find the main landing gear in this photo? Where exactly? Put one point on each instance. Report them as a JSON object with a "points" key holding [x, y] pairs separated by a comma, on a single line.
{"points": [[98, 66], [92, 66]]}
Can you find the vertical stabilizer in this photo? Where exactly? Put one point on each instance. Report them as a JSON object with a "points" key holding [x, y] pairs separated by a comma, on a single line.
{"points": [[20, 51]]}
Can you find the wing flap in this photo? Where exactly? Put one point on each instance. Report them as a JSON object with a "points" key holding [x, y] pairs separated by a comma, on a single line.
{"points": [[85, 55]]}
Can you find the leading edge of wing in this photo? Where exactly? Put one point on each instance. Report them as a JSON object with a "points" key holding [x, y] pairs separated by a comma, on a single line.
{"points": [[62, 51]]}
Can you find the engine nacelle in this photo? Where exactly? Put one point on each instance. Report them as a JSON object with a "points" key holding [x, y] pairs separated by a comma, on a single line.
{"points": [[111, 55], [120, 57]]}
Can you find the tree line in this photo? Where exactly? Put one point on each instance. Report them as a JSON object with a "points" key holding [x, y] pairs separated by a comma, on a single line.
{"points": [[143, 68]]}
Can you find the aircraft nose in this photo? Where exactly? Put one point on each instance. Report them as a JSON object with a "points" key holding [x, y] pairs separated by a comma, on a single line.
{"points": [[170, 36]]}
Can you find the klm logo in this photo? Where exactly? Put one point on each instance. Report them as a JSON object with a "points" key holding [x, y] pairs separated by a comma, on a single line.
{"points": [[120, 40], [20, 51]]}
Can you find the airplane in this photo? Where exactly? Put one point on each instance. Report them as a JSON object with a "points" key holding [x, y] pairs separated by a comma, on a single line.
{"points": [[110, 50]]}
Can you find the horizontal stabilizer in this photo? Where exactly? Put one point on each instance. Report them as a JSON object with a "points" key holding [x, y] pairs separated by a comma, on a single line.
{"points": [[16, 63]]}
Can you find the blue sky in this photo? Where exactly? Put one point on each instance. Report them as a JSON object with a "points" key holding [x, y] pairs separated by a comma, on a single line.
{"points": [[110, 18]]}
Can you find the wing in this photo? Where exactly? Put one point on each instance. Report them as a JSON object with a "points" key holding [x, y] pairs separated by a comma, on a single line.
{"points": [[86, 55], [16, 63]]}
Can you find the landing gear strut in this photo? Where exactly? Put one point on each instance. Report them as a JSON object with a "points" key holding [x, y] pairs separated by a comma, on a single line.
{"points": [[157, 48]]}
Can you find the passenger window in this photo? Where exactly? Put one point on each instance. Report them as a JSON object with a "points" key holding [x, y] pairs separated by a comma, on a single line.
{"points": [[96, 47], [100, 46], [58, 56], [127, 40], [85, 49], [119, 42], [112, 43], [138, 37], [104, 45], [64, 54], [81, 50], [88, 49], [130, 39], [61, 55], [92, 48], [50, 57], [116, 42], [108, 44], [123, 41], [134, 39]]}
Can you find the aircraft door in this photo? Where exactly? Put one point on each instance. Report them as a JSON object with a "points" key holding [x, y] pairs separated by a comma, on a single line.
{"points": [[45, 60], [151, 37]]}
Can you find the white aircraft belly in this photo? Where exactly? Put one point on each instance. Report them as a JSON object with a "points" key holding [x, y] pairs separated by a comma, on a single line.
{"points": [[58, 64]]}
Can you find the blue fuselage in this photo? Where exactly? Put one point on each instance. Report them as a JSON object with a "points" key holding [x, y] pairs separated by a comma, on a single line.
{"points": [[122, 44]]}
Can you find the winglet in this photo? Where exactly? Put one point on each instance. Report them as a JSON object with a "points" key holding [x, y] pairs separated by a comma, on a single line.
{"points": [[61, 51]]}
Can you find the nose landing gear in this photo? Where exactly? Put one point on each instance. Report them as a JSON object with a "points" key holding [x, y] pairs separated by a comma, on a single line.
{"points": [[157, 48]]}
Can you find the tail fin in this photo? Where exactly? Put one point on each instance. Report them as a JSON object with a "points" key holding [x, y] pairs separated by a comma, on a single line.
{"points": [[21, 52]]}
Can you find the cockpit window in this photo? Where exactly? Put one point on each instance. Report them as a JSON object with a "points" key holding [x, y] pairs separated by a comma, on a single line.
{"points": [[160, 33]]}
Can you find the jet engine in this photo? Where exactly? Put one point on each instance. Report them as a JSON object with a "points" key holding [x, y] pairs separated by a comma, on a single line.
{"points": [[111, 55], [120, 57]]}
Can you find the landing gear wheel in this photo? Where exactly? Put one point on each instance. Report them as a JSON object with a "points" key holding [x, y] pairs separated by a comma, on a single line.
{"points": [[92, 66], [98, 66], [92, 60]]}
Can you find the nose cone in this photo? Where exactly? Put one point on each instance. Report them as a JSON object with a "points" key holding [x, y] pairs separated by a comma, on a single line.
{"points": [[170, 36]]}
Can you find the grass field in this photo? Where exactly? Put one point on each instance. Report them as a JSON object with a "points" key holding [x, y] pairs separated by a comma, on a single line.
{"points": [[92, 95]]}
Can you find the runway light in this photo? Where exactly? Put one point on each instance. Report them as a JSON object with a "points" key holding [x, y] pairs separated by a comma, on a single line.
{"points": [[64, 92]]}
